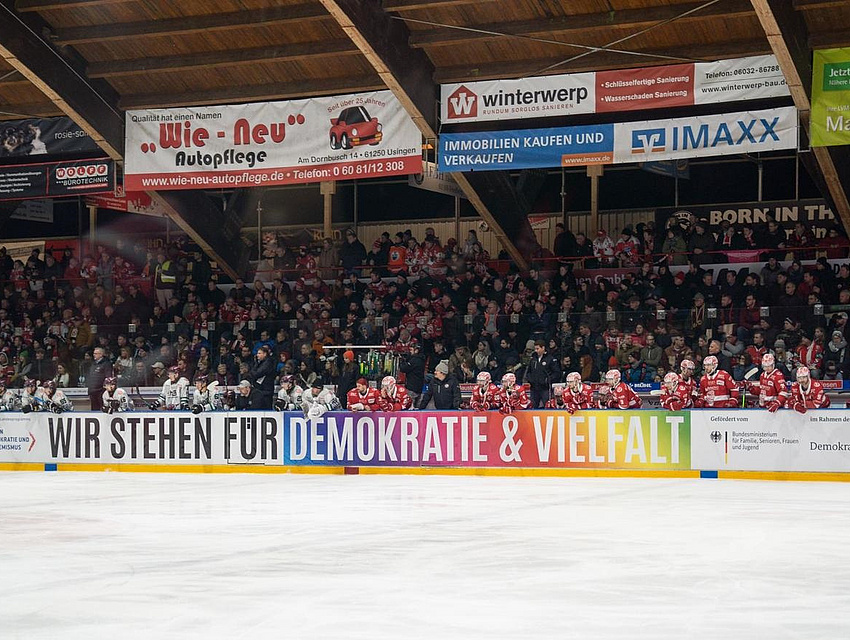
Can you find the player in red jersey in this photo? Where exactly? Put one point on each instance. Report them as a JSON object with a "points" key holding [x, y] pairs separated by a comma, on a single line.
{"points": [[393, 396], [485, 395], [511, 396], [557, 399], [773, 392], [362, 397], [675, 394], [686, 377], [577, 396], [615, 394], [807, 393], [717, 389]]}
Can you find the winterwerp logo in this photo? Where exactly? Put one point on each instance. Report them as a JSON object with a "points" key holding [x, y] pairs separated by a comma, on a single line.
{"points": [[462, 103]]}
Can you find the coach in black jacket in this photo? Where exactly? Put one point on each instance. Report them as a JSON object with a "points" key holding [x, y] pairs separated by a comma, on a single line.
{"points": [[262, 379], [541, 372], [444, 389], [101, 369]]}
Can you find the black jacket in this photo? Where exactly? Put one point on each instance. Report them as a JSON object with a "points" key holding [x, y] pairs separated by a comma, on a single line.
{"points": [[541, 372], [244, 403], [262, 376], [98, 372], [446, 394], [347, 381], [413, 367]]}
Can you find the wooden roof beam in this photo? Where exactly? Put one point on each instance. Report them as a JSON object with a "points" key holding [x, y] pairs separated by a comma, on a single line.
{"points": [[92, 107], [174, 26], [597, 61], [230, 58], [788, 36], [24, 6], [579, 24], [808, 5], [830, 39], [409, 75], [276, 91], [413, 5]]}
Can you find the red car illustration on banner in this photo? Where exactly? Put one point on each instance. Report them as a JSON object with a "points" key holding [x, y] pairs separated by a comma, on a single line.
{"points": [[354, 127]]}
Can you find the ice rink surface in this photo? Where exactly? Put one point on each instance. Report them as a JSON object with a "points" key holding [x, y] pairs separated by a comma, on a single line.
{"points": [[124, 556]]}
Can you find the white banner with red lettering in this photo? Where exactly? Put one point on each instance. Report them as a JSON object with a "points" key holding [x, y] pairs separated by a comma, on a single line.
{"points": [[364, 135], [661, 87]]}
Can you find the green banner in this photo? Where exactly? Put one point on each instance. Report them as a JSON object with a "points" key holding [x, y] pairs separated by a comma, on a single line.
{"points": [[831, 97]]}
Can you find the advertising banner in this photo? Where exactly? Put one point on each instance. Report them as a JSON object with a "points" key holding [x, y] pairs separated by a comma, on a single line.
{"points": [[43, 136], [644, 141], [589, 439], [815, 214], [680, 85], [131, 202], [700, 136], [133, 438], [34, 211], [526, 149], [364, 135], [56, 179], [759, 441], [830, 123]]}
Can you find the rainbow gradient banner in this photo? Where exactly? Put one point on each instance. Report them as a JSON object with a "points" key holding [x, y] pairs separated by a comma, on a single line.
{"points": [[555, 439]]}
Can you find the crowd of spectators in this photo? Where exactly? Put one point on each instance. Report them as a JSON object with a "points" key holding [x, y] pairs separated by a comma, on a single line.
{"points": [[426, 301]]}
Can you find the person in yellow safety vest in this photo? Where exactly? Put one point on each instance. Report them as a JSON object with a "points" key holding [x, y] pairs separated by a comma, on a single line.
{"points": [[165, 280]]}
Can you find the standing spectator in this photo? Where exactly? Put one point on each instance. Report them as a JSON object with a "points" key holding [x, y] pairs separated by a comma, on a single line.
{"points": [[701, 244], [101, 368], [541, 372], [352, 255], [603, 249], [564, 245], [165, 279], [328, 260]]}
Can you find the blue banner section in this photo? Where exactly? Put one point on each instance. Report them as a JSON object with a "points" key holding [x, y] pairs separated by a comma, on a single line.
{"points": [[527, 149]]}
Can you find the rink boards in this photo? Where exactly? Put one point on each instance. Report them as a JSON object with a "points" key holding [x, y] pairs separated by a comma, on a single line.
{"points": [[700, 443]]}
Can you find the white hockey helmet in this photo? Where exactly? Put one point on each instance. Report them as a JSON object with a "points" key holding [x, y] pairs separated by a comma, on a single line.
{"points": [[803, 372], [767, 360], [509, 379], [612, 378], [574, 380], [483, 378], [388, 382], [671, 380], [710, 364]]}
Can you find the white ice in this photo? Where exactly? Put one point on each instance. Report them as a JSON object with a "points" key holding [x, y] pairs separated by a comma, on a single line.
{"points": [[125, 556]]}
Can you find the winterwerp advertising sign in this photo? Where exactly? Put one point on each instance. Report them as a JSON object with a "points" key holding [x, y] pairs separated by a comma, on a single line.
{"points": [[680, 85], [362, 135]]}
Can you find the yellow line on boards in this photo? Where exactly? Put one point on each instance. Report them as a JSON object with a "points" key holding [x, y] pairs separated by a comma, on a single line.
{"points": [[529, 472], [793, 476], [21, 466], [196, 468]]}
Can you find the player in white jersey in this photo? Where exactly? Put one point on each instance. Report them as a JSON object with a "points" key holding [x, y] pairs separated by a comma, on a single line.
{"points": [[174, 394], [115, 400], [29, 396], [289, 396], [206, 397], [9, 401], [317, 400], [53, 399]]}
